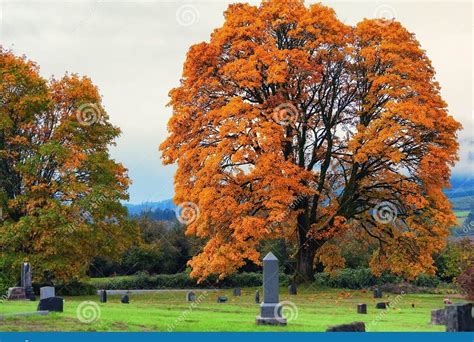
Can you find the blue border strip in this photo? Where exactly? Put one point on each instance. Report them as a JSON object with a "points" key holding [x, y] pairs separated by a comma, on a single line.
{"points": [[236, 337]]}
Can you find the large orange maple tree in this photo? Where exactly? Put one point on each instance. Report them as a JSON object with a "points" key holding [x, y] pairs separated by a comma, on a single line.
{"points": [[289, 123]]}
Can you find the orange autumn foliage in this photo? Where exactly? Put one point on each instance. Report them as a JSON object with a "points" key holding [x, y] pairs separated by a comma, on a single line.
{"points": [[289, 123], [60, 191]]}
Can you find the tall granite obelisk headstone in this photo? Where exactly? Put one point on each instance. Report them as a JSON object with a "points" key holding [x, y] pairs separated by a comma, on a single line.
{"points": [[26, 281], [270, 309]]}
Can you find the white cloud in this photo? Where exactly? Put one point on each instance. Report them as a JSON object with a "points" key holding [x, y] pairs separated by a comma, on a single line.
{"points": [[134, 51]]}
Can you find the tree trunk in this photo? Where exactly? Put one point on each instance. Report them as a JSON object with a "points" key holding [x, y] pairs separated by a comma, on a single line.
{"points": [[307, 248], [304, 271]]}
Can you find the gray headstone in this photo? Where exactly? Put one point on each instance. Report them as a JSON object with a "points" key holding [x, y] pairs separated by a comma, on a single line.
{"points": [[26, 275], [362, 308], [125, 299], [26, 281], [459, 317], [438, 317], [190, 296], [354, 327], [237, 292], [257, 297], [47, 292], [378, 293], [292, 290], [103, 296], [270, 309]]}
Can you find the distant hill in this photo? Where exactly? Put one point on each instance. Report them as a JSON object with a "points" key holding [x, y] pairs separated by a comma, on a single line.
{"points": [[461, 195], [137, 209], [461, 187]]}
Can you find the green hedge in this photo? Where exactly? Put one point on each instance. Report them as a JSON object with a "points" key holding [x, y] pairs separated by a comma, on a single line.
{"points": [[347, 278], [363, 278], [181, 281], [74, 288]]}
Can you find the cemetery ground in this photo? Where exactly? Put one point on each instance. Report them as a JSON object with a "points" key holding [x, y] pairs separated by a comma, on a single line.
{"points": [[316, 309]]}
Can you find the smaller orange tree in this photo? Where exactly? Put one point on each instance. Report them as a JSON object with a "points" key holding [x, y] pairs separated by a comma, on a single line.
{"points": [[60, 191]]}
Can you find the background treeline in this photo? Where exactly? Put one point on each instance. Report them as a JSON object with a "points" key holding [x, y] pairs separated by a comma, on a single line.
{"points": [[159, 260]]}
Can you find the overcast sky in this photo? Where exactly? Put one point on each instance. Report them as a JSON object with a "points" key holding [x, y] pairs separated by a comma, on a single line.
{"points": [[134, 51]]}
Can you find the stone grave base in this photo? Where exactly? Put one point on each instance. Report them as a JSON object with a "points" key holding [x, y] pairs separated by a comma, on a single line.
{"points": [[24, 314], [16, 293], [270, 321]]}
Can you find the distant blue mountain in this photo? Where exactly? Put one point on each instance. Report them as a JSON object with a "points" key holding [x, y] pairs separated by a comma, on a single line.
{"points": [[460, 187], [137, 209]]}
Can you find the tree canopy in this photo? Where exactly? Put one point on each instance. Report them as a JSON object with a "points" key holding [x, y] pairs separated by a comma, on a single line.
{"points": [[60, 191], [289, 123]]}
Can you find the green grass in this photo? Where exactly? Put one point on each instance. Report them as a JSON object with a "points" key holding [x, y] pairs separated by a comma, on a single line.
{"points": [[462, 213], [317, 309]]}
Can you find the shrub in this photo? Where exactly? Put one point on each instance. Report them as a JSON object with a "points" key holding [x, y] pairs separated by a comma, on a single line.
{"points": [[455, 259], [73, 288], [363, 278], [465, 282], [7, 274], [424, 280], [144, 281]]}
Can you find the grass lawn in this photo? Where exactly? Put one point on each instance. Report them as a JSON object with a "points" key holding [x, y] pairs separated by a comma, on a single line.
{"points": [[462, 213], [317, 309]]}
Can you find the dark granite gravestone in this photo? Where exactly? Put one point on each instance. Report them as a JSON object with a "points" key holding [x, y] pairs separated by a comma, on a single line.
{"points": [[221, 299], [47, 292], [362, 308], [351, 327], [459, 317], [270, 309], [237, 292], [55, 304], [16, 293], [103, 296], [125, 299], [257, 297], [292, 290], [190, 296], [382, 305], [378, 293], [438, 317]]}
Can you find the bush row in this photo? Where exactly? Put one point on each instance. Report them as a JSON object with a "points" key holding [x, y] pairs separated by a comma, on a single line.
{"points": [[182, 281], [363, 278], [74, 288], [347, 278]]}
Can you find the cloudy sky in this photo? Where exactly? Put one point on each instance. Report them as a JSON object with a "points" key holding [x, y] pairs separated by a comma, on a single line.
{"points": [[134, 51]]}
